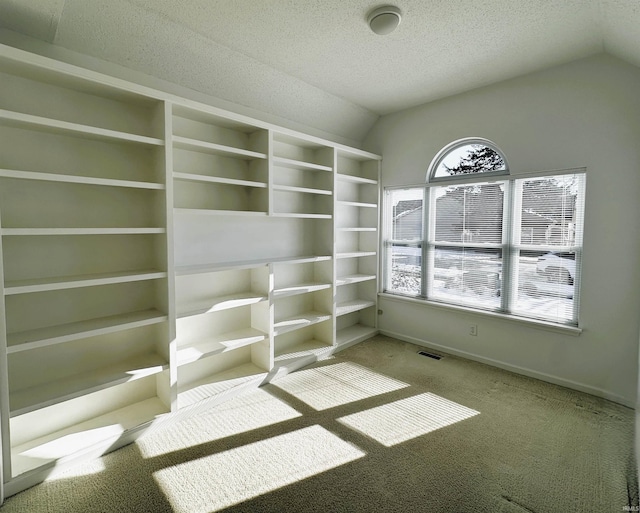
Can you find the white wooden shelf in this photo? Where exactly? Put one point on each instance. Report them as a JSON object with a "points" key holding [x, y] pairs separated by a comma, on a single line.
{"points": [[302, 288], [185, 270], [220, 303], [302, 215], [37, 397], [357, 204], [80, 231], [299, 164], [308, 347], [358, 229], [78, 179], [186, 143], [88, 280], [221, 384], [99, 433], [191, 177], [212, 212], [355, 179], [42, 337], [356, 254], [354, 278], [20, 120], [296, 322], [300, 260], [356, 332], [212, 345], [304, 190], [355, 305]]}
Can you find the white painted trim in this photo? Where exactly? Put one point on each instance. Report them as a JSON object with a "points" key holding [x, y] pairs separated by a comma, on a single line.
{"points": [[491, 178], [532, 323], [574, 385]]}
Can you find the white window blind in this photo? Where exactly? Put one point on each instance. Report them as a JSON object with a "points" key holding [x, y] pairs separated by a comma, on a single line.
{"points": [[547, 242], [404, 248], [465, 244], [512, 246]]}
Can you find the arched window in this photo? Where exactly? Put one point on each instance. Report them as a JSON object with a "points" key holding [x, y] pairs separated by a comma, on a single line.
{"points": [[476, 236], [466, 157]]}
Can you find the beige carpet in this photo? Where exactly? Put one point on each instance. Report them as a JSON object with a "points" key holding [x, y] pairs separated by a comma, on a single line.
{"points": [[377, 428]]}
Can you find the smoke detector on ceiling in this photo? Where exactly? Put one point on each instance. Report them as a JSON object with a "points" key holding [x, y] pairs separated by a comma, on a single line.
{"points": [[384, 20]]}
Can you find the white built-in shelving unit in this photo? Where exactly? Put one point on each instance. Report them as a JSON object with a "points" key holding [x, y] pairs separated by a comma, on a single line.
{"points": [[157, 254], [357, 220]]}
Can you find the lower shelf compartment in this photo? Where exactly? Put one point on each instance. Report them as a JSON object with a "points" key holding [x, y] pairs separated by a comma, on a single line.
{"points": [[98, 434], [354, 334], [303, 349], [48, 394], [221, 384], [219, 344]]}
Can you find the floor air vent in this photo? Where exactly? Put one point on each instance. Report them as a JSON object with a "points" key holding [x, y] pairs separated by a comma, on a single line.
{"points": [[430, 355]]}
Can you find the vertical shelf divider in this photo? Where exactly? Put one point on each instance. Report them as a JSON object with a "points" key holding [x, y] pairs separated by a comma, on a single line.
{"points": [[270, 172], [5, 446], [171, 392]]}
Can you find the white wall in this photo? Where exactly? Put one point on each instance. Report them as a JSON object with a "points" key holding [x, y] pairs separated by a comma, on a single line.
{"points": [[586, 113]]}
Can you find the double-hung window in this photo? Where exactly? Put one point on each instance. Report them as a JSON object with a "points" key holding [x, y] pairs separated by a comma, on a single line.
{"points": [[476, 237]]}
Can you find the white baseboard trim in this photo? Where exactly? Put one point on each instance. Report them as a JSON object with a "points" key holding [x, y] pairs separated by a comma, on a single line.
{"points": [[580, 387]]}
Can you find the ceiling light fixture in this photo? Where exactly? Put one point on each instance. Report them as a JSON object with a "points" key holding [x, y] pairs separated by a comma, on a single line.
{"points": [[384, 20]]}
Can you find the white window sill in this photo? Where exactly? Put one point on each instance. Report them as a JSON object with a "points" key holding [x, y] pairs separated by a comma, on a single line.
{"points": [[533, 323]]}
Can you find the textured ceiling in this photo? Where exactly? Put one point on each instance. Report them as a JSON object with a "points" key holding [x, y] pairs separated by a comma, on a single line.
{"points": [[316, 62]]}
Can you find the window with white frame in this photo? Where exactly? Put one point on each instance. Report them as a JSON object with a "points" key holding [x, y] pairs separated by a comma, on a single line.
{"points": [[477, 237]]}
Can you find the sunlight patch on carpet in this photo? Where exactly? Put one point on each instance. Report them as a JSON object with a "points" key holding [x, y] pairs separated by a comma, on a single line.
{"points": [[337, 384], [402, 420], [245, 413], [221, 480]]}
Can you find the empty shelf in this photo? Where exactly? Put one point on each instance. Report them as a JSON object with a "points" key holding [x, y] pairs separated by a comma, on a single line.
{"points": [[299, 321], [40, 396], [217, 304], [87, 280], [353, 306], [191, 177], [354, 278], [186, 143], [302, 288], [87, 180], [20, 120], [299, 164], [354, 333], [42, 337], [219, 344], [223, 383]]}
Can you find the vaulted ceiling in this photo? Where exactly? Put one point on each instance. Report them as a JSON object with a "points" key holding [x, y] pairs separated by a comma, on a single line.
{"points": [[315, 62]]}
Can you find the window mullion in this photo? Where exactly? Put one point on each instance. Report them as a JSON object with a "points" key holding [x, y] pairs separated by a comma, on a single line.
{"points": [[427, 251], [510, 236]]}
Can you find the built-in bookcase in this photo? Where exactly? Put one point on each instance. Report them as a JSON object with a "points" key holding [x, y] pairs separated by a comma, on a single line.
{"points": [[85, 266], [357, 218], [303, 304], [302, 178], [223, 328], [158, 255], [220, 166]]}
